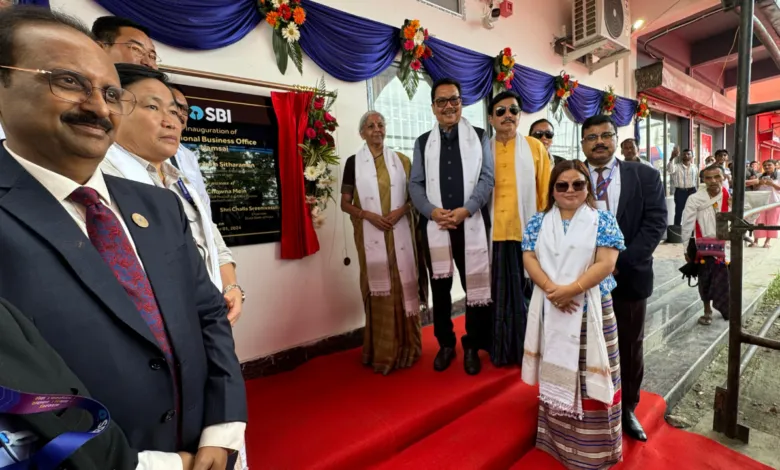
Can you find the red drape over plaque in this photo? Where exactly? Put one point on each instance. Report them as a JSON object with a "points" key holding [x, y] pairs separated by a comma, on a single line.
{"points": [[298, 236]]}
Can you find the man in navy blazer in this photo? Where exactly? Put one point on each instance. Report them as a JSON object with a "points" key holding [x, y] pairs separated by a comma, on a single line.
{"points": [[634, 194], [166, 367]]}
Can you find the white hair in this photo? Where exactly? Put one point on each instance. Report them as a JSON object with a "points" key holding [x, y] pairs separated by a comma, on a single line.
{"points": [[365, 118]]}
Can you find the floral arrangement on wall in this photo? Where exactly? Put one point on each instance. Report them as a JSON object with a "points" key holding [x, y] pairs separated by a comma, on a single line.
{"points": [[504, 73], [413, 51], [608, 102], [286, 17], [564, 87], [319, 153], [642, 109]]}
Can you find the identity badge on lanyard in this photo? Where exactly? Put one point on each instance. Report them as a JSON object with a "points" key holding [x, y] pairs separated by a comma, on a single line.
{"points": [[602, 188], [50, 456], [185, 192]]}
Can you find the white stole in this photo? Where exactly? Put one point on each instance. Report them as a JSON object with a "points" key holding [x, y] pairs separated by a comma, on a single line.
{"points": [[525, 182], [552, 340], [476, 241], [131, 169], [377, 265]]}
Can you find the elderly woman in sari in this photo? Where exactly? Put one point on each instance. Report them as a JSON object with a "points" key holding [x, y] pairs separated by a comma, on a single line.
{"points": [[571, 346], [374, 194]]}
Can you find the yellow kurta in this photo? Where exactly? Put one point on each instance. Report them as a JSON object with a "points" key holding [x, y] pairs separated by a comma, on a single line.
{"points": [[507, 225]]}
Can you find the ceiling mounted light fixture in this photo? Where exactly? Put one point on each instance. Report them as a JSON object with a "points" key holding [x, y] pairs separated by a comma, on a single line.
{"points": [[637, 24]]}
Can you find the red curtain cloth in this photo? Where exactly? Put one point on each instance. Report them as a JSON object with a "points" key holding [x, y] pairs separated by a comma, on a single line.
{"points": [[298, 236]]}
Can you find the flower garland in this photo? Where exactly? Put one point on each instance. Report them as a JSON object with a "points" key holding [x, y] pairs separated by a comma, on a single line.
{"points": [[642, 109], [503, 66], [413, 50], [608, 102], [564, 87], [319, 153], [286, 18]]}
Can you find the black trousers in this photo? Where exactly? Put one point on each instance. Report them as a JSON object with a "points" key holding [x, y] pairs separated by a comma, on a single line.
{"points": [[630, 315], [477, 318], [680, 198]]}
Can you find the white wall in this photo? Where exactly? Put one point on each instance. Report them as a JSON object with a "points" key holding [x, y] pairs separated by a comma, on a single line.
{"points": [[295, 302]]}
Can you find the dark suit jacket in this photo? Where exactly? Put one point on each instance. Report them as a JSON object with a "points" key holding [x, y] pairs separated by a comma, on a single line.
{"points": [[642, 218], [29, 364], [53, 274]]}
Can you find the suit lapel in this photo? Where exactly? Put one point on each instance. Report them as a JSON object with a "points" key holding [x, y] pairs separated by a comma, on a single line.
{"points": [[151, 250], [28, 201], [626, 189]]}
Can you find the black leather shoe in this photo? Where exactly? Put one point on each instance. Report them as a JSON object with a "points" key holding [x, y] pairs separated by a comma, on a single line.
{"points": [[632, 428], [443, 359], [471, 362]]}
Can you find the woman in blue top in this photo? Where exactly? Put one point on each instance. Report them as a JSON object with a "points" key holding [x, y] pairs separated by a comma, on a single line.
{"points": [[571, 347]]}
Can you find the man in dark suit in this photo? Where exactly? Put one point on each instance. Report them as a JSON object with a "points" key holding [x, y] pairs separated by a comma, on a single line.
{"points": [[106, 268], [28, 364], [634, 194]]}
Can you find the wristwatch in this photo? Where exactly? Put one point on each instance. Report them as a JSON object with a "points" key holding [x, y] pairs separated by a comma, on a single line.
{"points": [[235, 286]]}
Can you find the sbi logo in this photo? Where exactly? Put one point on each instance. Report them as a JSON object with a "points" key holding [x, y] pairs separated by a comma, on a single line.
{"points": [[211, 114]]}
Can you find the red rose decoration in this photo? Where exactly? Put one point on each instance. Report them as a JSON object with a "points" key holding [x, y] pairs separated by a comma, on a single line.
{"points": [[415, 65], [318, 104], [409, 45], [323, 141], [508, 52], [329, 117], [311, 133], [501, 77], [318, 124], [428, 53], [508, 84]]}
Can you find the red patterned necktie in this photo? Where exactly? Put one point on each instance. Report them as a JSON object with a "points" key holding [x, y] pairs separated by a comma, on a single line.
{"points": [[601, 186], [109, 238]]}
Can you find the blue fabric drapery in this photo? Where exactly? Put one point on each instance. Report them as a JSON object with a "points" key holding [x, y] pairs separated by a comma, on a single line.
{"points": [[350, 48], [473, 70], [346, 46], [190, 24], [534, 87], [40, 3]]}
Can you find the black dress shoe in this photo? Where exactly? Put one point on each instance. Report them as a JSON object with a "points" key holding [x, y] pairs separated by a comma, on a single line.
{"points": [[631, 426], [471, 362], [443, 359]]}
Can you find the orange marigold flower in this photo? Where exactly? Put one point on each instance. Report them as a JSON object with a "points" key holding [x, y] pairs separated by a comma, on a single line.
{"points": [[419, 51], [272, 18], [560, 92], [409, 32], [415, 24], [299, 16]]}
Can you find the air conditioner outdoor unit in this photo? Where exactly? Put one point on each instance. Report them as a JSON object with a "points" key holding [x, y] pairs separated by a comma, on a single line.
{"points": [[607, 21]]}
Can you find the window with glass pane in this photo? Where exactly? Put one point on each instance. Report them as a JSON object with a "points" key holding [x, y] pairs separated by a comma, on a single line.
{"points": [[406, 119], [566, 143]]}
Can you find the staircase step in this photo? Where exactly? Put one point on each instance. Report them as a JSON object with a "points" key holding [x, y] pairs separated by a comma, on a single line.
{"points": [[668, 313], [509, 419], [672, 369]]}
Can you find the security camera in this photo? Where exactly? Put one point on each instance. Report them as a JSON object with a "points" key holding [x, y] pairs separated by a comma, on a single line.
{"points": [[490, 16]]}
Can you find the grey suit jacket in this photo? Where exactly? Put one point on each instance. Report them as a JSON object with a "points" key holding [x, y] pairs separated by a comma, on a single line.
{"points": [[51, 272]]}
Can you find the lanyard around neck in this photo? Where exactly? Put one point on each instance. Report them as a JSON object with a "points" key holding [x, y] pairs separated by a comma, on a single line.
{"points": [[602, 187]]}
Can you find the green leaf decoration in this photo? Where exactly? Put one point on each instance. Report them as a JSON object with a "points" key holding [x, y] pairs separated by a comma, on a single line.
{"points": [[281, 50], [296, 53]]}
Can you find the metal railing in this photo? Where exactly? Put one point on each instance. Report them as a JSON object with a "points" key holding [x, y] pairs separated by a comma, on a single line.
{"points": [[732, 226]]}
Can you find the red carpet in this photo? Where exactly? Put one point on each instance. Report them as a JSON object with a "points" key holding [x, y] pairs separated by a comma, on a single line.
{"points": [[333, 413]]}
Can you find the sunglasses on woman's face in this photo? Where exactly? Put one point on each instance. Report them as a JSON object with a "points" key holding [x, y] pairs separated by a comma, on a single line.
{"points": [[577, 186], [501, 110], [540, 134]]}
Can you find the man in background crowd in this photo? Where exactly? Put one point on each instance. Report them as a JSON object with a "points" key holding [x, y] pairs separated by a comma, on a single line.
{"points": [[722, 160], [450, 184], [544, 131], [634, 194], [125, 41], [630, 152], [752, 174], [684, 177]]}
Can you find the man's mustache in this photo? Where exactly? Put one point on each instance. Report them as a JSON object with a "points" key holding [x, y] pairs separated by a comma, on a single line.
{"points": [[89, 119], [508, 120], [601, 147]]}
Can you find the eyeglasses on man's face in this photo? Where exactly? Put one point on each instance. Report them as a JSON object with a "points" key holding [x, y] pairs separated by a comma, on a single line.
{"points": [[454, 101], [605, 136], [76, 88], [501, 110], [139, 51]]}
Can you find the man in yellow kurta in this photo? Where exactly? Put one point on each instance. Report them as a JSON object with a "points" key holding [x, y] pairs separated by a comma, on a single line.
{"points": [[522, 175]]}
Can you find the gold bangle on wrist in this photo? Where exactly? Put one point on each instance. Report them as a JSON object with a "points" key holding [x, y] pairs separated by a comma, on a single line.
{"points": [[581, 288]]}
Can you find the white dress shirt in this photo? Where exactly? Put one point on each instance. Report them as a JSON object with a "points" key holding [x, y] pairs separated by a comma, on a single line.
{"points": [[613, 190], [2, 133], [225, 435]]}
